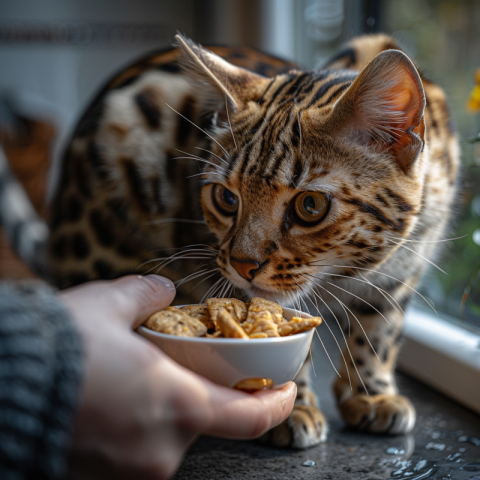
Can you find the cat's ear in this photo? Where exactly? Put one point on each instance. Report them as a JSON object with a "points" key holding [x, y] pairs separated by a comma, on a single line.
{"points": [[385, 106], [221, 81]]}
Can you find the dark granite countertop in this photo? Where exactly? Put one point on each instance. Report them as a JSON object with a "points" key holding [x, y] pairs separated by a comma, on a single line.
{"points": [[444, 445]]}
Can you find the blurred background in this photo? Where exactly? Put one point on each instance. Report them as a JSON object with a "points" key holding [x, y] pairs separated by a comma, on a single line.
{"points": [[55, 54]]}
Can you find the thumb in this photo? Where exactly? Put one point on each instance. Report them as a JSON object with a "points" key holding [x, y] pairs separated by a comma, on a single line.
{"points": [[144, 295], [131, 299]]}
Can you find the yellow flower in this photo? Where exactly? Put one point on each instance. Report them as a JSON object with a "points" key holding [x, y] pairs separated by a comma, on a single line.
{"points": [[473, 102]]}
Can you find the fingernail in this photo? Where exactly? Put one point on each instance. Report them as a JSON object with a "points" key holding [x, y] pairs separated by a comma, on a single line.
{"points": [[165, 282]]}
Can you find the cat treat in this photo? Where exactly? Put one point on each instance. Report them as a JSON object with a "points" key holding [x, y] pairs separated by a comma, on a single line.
{"points": [[229, 327], [229, 318], [261, 324], [236, 308], [251, 385], [199, 312], [175, 322]]}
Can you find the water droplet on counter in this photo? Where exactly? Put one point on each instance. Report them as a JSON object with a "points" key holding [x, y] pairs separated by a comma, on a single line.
{"points": [[472, 440], [435, 446], [471, 467], [462, 450], [421, 464], [423, 469], [395, 451], [308, 463], [453, 457]]}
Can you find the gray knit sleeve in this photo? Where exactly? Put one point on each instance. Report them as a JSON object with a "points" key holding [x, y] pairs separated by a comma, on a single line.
{"points": [[40, 376]]}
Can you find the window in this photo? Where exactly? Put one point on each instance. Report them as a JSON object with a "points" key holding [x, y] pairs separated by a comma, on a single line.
{"points": [[444, 350]]}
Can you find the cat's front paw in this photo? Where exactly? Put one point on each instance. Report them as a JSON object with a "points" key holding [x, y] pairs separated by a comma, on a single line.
{"points": [[388, 414], [304, 428]]}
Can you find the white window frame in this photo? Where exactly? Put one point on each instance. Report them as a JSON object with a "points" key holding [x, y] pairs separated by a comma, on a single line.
{"points": [[444, 354]]}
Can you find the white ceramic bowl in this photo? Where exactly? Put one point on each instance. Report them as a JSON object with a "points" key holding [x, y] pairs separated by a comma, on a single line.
{"points": [[227, 361]]}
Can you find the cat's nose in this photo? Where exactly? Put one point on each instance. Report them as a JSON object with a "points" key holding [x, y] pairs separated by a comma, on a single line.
{"points": [[245, 268]]}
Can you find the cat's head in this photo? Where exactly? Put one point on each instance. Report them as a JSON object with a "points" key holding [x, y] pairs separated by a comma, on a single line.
{"points": [[309, 170]]}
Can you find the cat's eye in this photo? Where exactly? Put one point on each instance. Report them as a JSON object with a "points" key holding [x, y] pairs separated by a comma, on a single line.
{"points": [[311, 207], [225, 201]]}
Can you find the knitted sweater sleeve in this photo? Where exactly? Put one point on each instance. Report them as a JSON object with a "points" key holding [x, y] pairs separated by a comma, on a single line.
{"points": [[40, 376]]}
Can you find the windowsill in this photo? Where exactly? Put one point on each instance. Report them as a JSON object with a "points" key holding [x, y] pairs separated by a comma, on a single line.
{"points": [[443, 355]]}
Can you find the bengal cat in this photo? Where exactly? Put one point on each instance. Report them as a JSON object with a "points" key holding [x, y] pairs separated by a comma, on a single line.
{"points": [[330, 185]]}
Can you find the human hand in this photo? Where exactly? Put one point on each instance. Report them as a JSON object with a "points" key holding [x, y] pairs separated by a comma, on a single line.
{"points": [[140, 410]]}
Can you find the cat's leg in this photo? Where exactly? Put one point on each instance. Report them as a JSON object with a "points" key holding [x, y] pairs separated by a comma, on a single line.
{"points": [[372, 403], [306, 425]]}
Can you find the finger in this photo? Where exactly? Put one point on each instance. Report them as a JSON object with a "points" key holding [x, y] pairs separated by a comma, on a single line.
{"points": [[242, 415], [131, 299]]}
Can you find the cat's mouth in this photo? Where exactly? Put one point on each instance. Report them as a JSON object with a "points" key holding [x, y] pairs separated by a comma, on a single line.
{"points": [[267, 294], [251, 289]]}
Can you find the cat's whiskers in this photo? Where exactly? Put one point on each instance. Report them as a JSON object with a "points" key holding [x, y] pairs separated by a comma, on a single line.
{"points": [[206, 173], [166, 258], [290, 301], [314, 264], [380, 290], [189, 248], [366, 336], [195, 275], [388, 296], [298, 306], [354, 316], [316, 284], [214, 154], [318, 335], [186, 253], [198, 159], [300, 297], [215, 272], [201, 129], [350, 293], [360, 298], [293, 300], [210, 292], [224, 289], [218, 289], [230, 123], [161, 266], [205, 246], [312, 363], [317, 294], [393, 278], [421, 256], [229, 290]]}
